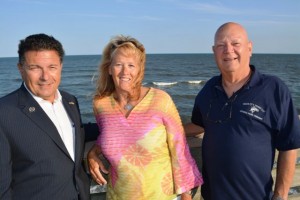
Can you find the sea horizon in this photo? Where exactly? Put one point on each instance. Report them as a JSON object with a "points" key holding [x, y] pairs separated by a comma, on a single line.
{"points": [[181, 75], [167, 54]]}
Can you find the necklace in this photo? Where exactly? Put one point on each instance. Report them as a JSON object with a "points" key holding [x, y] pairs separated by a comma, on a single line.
{"points": [[128, 106]]}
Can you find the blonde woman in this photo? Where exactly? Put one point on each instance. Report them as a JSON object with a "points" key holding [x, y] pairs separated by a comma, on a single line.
{"points": [[140, 131]]}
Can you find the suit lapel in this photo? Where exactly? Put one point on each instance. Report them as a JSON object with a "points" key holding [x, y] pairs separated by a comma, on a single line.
{"points": [[33, 110], [72, 108]]}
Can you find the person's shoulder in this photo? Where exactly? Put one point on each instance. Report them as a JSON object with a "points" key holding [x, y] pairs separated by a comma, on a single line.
{"points": [[213, 80], [211, 83], [159, 92], [9, 97], [9, 101], [273, 86], [261, 77], [273, 80], [207, 88], [102, 101]]}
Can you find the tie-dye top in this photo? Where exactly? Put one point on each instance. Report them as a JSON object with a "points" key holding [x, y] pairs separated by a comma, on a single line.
{"points": [[147, 151]]}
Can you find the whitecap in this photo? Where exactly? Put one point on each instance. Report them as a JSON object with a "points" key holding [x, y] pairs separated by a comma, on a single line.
{"points": [[195, 82], [164, 83]]}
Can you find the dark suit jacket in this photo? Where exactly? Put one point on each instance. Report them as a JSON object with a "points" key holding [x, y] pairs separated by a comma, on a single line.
{"points": [[34, 162]]}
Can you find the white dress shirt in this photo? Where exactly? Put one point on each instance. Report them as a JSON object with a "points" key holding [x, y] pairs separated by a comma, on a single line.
{"points": [[59, 116]]}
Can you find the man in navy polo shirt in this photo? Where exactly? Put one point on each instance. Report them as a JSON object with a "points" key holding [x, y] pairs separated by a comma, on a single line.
{"points": [[246, 116]]}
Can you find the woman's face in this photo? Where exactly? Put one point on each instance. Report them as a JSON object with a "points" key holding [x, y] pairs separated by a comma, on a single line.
{"points": [[124, 70]]}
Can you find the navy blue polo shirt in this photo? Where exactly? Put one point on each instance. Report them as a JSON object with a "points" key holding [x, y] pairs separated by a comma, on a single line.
{"points": [[241, 135]]}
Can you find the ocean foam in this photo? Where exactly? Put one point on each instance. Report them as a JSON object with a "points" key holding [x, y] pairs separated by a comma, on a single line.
{"points": [[164, 83], [195, 82]]}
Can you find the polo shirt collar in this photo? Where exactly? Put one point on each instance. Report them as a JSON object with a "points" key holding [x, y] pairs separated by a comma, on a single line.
{"points": [[254, 79]]}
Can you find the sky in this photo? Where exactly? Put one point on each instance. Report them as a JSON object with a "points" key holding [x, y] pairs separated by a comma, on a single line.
{"points": [[84, 27]]}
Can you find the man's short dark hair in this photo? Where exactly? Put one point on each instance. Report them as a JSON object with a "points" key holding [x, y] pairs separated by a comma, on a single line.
{"points": [[39, 42]]}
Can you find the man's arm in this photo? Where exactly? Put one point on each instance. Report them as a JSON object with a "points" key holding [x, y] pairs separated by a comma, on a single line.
{"points": [[5, 167], [191, 129], [285, 173]]}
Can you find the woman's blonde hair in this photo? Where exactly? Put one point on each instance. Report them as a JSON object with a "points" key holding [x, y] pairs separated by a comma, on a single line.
{"points": [[129, 46]]}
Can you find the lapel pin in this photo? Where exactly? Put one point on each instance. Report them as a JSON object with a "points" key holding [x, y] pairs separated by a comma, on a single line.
{"points": [[71, 103], [31, 109]]}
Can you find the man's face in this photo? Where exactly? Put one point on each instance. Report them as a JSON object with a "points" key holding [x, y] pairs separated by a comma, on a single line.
{"points": [[41, 73], [232, 49]]}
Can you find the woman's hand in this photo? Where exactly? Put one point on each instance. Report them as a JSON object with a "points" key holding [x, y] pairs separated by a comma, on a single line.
{"points": [[95, 165], [186, 196]]}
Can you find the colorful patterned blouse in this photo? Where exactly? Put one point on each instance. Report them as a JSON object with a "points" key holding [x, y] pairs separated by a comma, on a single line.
{"points": [[147, 151]]}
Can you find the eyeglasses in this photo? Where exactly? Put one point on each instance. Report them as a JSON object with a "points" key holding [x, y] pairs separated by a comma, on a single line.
{"points": [[227, 107]]}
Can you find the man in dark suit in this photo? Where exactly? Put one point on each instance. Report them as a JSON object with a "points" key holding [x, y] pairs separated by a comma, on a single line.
{"points": [[41, 134]]}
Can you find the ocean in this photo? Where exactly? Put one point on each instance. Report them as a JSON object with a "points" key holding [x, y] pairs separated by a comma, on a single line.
{"points": [[181, 75]]}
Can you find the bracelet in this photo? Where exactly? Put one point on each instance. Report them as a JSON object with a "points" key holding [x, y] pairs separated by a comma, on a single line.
{"points": [[189, 192]]}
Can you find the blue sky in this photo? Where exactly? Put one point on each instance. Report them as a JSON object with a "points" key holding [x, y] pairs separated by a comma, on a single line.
{"points": [[163, 26]]}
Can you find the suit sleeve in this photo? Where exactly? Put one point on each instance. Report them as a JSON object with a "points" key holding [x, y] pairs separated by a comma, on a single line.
{"points": [[5, 167]]}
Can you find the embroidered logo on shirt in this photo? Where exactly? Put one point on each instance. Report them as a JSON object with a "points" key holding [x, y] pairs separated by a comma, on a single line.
{"points": [[253, 110]]}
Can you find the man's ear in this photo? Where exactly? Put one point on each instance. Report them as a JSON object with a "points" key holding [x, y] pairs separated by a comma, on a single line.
{"points": [[250, 47], [21, 70]]}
